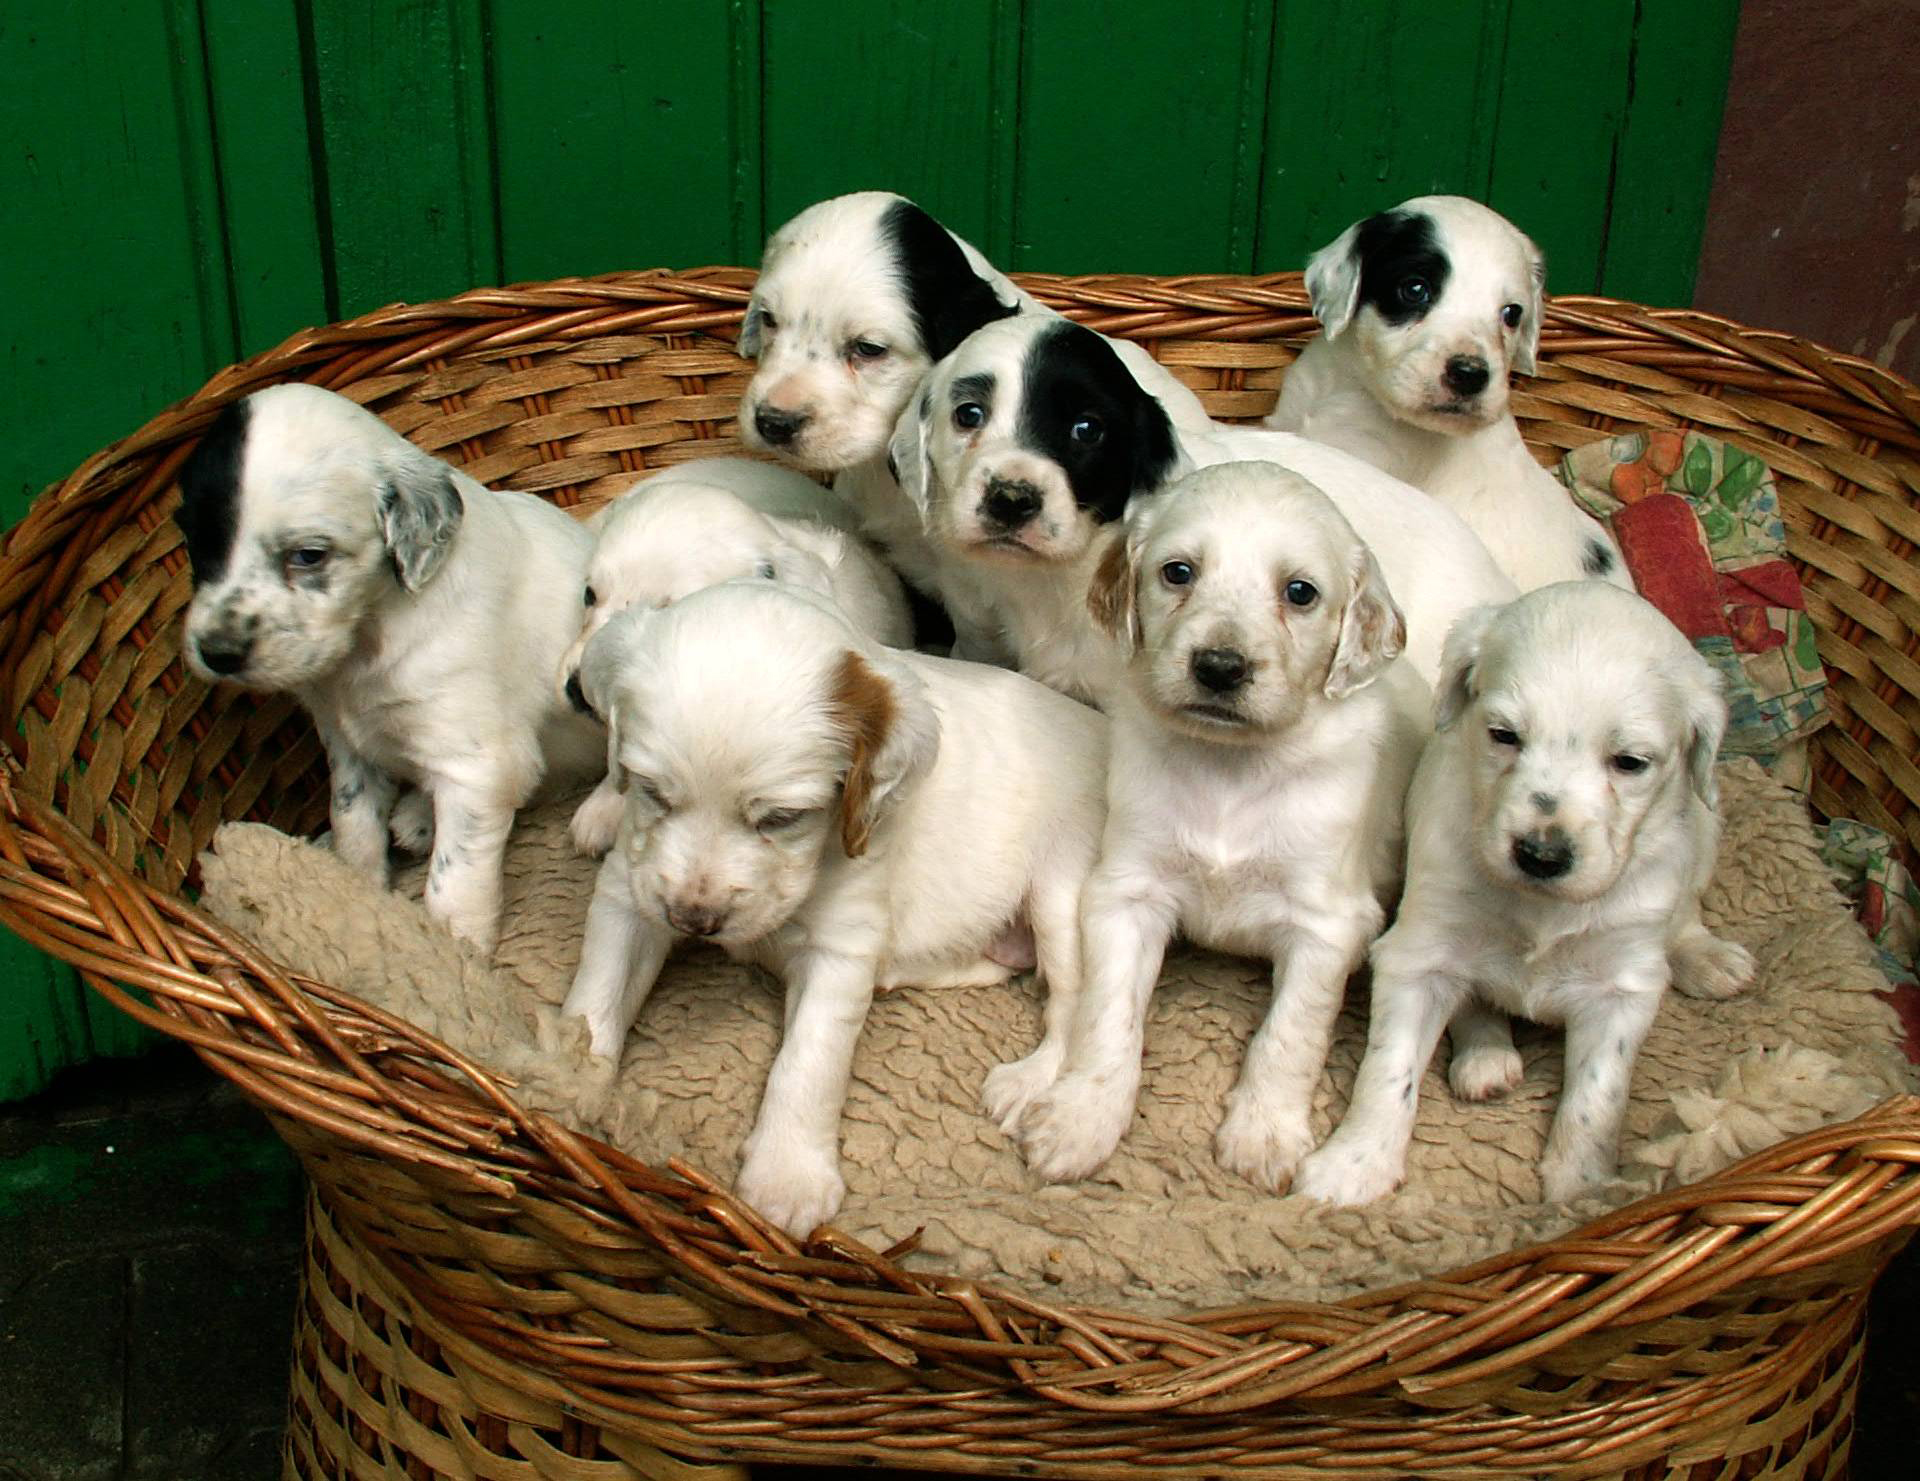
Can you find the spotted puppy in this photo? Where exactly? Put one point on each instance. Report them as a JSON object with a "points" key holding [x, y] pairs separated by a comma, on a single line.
{"points": [[1425, 309], [417, 616]]}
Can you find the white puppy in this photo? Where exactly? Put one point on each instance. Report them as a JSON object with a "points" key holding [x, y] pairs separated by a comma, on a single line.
{"points": [[1425, 309], [1031, 439], [1261, 753], [1561, 828], [846, 815], [698, 524], [416, 615]]}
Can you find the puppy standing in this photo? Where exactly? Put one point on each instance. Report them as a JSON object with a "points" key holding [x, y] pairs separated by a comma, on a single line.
{"points": [[1573, 767], [1260, 755], [1424, 310], [417, 616], [846, 815]]}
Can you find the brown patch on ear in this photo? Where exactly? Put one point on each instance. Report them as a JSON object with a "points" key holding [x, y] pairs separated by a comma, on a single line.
{"points": [[862, 703], [1110, 592]]}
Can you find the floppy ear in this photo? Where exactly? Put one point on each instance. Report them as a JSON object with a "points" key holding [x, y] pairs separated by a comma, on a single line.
{"points": [[1112, 599], [1454, 689], [1333, 281], [598, 674], [1372, 630], [893, 733], [907, 457], [420, 512], [1706, 709], [1156, 456], [1526, 354], [747, 343]]}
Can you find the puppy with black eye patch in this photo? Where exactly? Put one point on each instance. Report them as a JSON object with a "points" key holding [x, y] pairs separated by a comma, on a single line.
{"points": [[845, 815], [1261, 749], [417, 616], [1560, 830], [1425, 309]]}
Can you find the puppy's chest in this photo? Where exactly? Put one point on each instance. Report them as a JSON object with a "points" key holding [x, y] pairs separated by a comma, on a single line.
{"points": [[1539, 970]]}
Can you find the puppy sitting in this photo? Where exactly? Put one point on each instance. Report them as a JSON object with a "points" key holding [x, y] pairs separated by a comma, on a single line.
{"points": [[417, 616], [698, 524], [848, 816], [1425, 309], [1573, 769], [1260, 756]]}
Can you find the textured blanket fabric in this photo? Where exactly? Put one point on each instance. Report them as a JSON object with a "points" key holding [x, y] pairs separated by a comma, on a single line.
{"points": [[1161, 1226]]}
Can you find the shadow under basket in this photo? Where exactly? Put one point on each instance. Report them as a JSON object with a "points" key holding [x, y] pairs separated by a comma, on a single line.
{"points": [[488, 1295]]}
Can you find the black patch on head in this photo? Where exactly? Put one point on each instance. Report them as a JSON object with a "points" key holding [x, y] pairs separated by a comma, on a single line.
{"points": [[1393, 247], [1071, 374], [947, 298], [1598, 560], [209, 511]]}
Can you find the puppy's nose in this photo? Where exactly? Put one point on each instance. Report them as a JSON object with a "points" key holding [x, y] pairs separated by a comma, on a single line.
{"points": [[1466, 375], [696, 920], [576, 696], [1545, 855], [1010, 502], [225, 656], [1222, 670], [779, 427]]}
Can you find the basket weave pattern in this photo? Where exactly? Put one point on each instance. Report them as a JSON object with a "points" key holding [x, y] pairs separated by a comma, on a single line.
{"points": [[491, 1295]]}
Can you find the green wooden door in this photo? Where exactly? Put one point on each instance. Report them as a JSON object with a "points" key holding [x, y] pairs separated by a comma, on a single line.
{"points": [[189, 181]]}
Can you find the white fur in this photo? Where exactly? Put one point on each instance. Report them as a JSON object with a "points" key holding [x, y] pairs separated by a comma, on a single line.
{"points": [[757, 818], [423, 642], [1378, 390], [1265, 822], [1539, 701]]}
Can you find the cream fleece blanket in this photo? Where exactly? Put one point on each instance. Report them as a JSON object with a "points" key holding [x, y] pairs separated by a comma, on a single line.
{"points": [[1161, 1227]]}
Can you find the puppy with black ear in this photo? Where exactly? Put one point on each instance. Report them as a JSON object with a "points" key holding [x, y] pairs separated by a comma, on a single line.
{"points": [[846, 815], [1261, 751], [1573, 769], [417, 616], [1424, 311]]}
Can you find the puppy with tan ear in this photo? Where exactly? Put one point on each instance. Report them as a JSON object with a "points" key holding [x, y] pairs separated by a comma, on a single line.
{"points": [[1261, 750], [846, 815], [1560, 830]]}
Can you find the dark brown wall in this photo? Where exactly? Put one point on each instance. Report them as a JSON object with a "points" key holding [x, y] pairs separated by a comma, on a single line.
{"points": [[1814, 224]]}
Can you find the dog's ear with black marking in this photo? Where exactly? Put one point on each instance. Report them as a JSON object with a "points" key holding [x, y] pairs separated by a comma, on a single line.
{"points": [[893, 733], [1156, 455], [747, 344], [209, 510], [908, 457], [1372, 630], [947, 298], [1454, 690], [1333, 280], [420, 513], [1526, 354]]}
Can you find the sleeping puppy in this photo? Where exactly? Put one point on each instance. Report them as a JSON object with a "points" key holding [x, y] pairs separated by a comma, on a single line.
{"points": [[846, 815], [1261, 751], [1425, 309], [1031, 441], [698, 524], [417, 616], [1561, 828]]}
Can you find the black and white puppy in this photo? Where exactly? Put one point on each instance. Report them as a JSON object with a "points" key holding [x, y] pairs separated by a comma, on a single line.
{"points": [[417, 616], [1425, 310]]}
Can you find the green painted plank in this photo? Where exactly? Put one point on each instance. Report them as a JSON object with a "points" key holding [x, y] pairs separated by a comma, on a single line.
{"points": [[613, 120], [1682, 55], [1131, 146], [44, 1022], [879, 95], [1563, 103], [1374, 101]]}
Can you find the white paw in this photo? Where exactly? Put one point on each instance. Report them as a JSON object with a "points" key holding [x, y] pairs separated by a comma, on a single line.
{"points": [[1348, 1171], [1565, 1175], [1261, 1141], [477, 925], [1485, 1071], [1073, 1127], [412, 823], [1011, 1088], [1704, 966], [791, 1187], [596, 821]]}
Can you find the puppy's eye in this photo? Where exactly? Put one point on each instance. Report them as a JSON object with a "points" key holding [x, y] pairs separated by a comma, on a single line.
{"points": [[648, 788], [781, 817], [1501, 736], [1301, 593], [1511, 315], [1627, 763], [868, 349], [589, 597], [1177, 573], [306, 558], [1088, 431], [767, 321], [765, 571], [1415, 292], [969, 415]]}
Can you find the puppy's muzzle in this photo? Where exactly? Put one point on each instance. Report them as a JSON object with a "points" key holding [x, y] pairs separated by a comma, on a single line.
{"points": [[696, 920], [1545, 855], [224, 655], [778, 428], [1009, 503], [1466, 375], [1220, 670]]}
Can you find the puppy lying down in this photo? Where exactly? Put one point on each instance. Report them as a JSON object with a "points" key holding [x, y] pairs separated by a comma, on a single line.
{"points": [[1162, 1224]]}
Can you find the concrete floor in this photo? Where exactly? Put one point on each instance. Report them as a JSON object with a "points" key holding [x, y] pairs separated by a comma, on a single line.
{"points": [[149, 1233]]}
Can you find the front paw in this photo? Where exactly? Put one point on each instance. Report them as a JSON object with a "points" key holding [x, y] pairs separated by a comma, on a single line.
{"points": [[411, 825], [1348, 1171], [1011, 1088], [1485, 1072], [1568, 1173], [596, 821], [1704, 966], [1073, 1127], [1260, 1141], [791, 1186]]}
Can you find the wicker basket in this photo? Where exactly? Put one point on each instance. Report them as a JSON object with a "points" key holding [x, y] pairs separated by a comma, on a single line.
{"points": [[488, 1295]]}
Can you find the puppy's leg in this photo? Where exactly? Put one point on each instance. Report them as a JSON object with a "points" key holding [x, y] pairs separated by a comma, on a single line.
{"points": [[1055, 913], [463, 881], [1266, 1131], [361, 801], [1704, 966], [1604, 1033], [596, 821], [412, 822], [790, 1165], [620, 960], [1485, 1064], [1073, 1126], [1366, 1157]]}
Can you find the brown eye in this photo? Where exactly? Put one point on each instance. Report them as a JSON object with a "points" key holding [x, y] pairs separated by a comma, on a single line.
{"points": [[1501, 736], [1301, 593], [1511, 315], [1627, 763], [867, 349]]}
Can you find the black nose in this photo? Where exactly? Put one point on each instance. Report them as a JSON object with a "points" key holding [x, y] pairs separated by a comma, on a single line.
{"points": [[576, 696], [778, 427], [1010, 503], [224, 658], [1543, 856], [1466, 375], [698, 920], [1220, 669]]}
